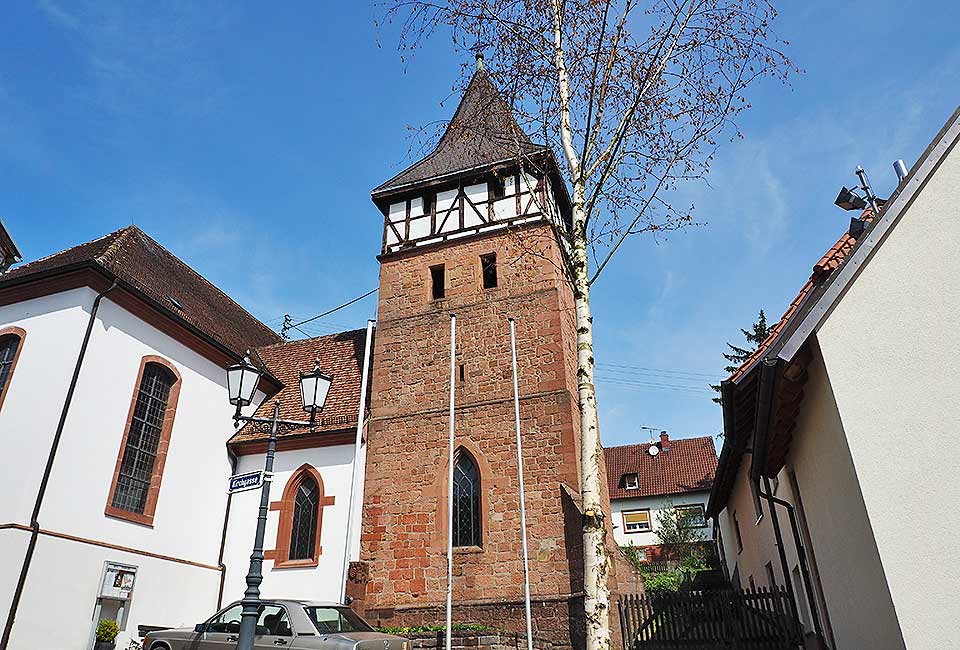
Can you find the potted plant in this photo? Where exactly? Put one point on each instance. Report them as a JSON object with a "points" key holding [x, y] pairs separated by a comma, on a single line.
{"points": [[107, 631]]}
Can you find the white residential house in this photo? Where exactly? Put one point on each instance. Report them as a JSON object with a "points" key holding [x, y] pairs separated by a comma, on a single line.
{"points": [[847, 417], [675, 480], [119, 442]]}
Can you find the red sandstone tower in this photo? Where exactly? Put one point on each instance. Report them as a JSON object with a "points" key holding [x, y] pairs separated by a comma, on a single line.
{"points": [[467, 231]]}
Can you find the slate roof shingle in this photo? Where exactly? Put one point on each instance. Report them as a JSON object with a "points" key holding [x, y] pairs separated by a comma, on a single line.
{"points": [[340, 355], [482, 131], [136, 259], [688, 466]]}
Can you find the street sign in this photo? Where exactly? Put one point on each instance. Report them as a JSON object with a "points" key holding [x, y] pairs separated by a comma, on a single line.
{"points": [[247, 481]]}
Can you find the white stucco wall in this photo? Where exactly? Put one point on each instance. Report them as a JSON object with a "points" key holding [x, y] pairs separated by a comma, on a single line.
{"points": [[322, 582], [890, 351], [656, 505], [192, 499]]}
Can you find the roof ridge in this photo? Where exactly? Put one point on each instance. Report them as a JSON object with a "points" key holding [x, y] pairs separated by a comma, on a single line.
{"points": [[64, 250], [195, 273], [311, 338]]}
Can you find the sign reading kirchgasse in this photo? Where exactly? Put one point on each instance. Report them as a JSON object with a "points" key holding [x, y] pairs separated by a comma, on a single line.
{"points": [[247, 481]]}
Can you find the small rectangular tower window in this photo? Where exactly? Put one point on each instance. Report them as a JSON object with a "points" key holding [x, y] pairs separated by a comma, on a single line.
{"points": [[438, 287], [496, 188], [488, 265], [428, 203]]}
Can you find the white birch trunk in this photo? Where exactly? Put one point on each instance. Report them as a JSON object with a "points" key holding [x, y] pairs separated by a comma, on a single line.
{"points": [[596, 600], [596, 592]]}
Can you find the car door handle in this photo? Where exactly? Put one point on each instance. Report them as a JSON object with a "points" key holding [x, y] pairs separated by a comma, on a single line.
{"points": [[231, 638], [279, 642]]}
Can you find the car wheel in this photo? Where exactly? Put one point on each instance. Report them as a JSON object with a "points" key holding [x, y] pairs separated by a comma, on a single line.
{"points": [[159, 645]]}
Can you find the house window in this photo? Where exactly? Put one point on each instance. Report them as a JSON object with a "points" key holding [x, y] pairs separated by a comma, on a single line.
{"points": [[143, 451], [691, 516], [488, 266], [301, 520], [736, 529], [636, 521], [466, 502], [771, 577], [11, 341], [438, 287], [631, 481], [428, 203]]}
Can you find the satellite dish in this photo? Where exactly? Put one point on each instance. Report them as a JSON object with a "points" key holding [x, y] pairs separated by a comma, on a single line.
{"points": [[653, 450]]}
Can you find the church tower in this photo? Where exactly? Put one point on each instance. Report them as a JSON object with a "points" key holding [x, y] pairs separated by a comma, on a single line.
{"points": [[467, 231]]}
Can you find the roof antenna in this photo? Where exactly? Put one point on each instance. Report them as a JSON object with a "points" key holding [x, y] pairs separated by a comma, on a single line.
{"points": [[285, 330], [865, 186]]}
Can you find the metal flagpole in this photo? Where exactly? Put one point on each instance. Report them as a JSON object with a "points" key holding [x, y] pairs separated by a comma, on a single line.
{"points": [[523, 508], [453, 362], [361, 412]]}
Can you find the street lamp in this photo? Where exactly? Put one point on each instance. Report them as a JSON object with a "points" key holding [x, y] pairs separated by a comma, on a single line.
{"points": [[242, 380]]}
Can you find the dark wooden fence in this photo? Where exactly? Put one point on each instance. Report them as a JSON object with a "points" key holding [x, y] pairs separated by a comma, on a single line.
{"points": [[755, 619]]}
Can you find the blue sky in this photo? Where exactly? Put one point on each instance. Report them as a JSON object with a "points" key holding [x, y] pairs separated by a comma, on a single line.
{"points": [[247, 139]]}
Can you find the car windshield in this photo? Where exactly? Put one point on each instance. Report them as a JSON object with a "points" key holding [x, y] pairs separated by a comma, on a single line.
{"points": [[330, 620]]}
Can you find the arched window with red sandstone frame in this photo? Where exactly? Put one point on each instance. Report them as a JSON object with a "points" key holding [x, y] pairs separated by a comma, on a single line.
{"points": [[11, 343], [467, 529], [146, 438], [301, 520]]}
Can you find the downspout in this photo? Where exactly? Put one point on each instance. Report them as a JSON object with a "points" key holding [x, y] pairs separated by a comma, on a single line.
{"points": [[35, 516], [808, 585], [768, 373], [223, 534]]}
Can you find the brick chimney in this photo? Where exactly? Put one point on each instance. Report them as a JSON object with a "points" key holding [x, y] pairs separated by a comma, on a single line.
{"points": [[664, 441]]}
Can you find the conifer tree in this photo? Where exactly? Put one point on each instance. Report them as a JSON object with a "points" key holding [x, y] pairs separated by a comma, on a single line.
{"points": [[736, 355]]}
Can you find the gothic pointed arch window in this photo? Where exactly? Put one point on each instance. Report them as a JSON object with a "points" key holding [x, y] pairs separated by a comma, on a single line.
{"points": [[11, 342], [467, 530], [143, 449], [301, 520]]}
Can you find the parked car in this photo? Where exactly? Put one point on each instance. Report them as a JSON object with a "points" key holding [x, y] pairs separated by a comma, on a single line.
{"points": [[292, 624]]}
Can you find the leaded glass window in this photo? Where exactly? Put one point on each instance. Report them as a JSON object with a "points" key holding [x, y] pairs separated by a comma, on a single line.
{"points": [[143, 439], [8, 350], [466, 502], [306, 510]]}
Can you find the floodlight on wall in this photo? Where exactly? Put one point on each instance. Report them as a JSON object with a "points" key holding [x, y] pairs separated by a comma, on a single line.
{"points": [[848, 199]]}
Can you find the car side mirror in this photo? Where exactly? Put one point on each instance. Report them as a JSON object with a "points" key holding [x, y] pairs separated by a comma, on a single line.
{"points": [[200, 628]]}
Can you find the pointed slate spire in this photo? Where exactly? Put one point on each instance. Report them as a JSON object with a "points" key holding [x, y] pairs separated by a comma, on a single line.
{"points": [[482, 132]]}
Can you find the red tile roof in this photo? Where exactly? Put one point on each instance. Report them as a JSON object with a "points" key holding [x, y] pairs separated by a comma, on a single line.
{"points": [[830, 261], [136, 259], [340, 355], [688, 466]]}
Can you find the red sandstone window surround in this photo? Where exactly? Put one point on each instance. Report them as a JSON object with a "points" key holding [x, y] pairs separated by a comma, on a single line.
{"points": [[301, 520], [146, 438], [11, 344]]}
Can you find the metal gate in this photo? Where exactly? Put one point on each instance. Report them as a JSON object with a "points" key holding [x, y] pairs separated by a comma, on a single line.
{"points": [[755, 619]]}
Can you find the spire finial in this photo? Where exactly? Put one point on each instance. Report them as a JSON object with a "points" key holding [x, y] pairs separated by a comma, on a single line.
{"points": [[479, 60]]}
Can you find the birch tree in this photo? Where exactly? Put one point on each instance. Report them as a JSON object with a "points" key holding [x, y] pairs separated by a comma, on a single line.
{"points": [[634, 96]]}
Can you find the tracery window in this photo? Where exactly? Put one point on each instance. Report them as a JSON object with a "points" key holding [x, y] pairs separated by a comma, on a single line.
{"points": [[466, 502], [306, 508], [301, 520]]}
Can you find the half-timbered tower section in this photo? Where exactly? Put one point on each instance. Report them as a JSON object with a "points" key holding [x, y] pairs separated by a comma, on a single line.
{"points": [[468, 232]]}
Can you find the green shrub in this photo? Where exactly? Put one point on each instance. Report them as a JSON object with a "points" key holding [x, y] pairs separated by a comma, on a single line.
{"points": [[107, 630], [661, 583]]}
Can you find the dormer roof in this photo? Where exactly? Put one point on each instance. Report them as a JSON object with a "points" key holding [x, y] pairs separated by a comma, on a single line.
{"points": [[688, 466], [482, 133]]}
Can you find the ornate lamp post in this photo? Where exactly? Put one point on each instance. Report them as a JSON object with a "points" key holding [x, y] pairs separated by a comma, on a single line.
{"points": [[242, 380]]}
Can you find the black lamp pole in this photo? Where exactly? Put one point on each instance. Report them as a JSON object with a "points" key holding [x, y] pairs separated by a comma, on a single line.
{"points": [[251, 597]]}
